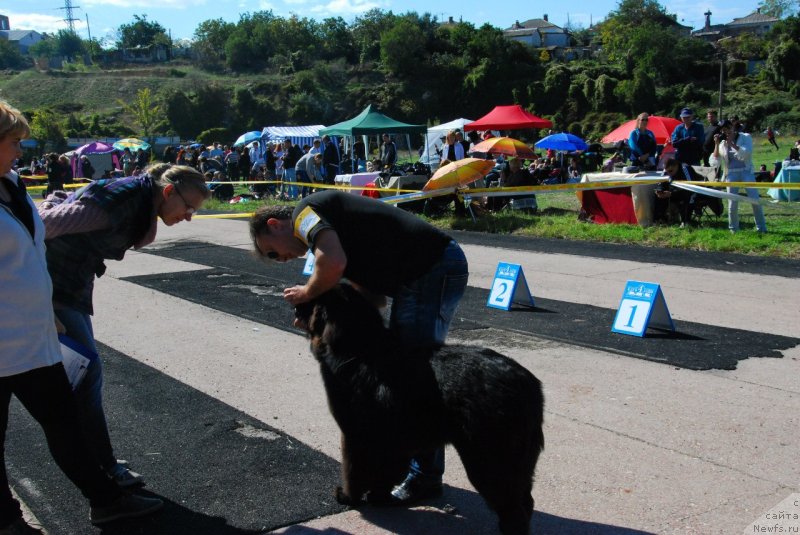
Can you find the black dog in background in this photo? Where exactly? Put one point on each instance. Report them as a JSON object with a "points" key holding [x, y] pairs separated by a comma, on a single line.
{"points": [[391, 403]]}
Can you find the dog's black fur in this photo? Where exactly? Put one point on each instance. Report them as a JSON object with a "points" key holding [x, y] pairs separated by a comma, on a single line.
{"points": [[391, 403]]}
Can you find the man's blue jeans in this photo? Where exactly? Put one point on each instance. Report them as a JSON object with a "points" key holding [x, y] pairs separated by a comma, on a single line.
{"points": [[89, 395], [289, 187], [302, 176], [421, 315]]}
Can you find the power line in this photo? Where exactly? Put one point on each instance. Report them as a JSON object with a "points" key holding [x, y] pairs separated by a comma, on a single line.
{"points": [[68, 16]]}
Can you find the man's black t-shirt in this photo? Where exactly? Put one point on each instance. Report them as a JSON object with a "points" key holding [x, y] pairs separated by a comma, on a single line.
{"points": [[385, 246]]}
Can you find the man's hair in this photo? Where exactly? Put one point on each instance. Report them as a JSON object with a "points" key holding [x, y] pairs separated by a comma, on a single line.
{"points": [[12, 122], [258, 222], [671, 163]]}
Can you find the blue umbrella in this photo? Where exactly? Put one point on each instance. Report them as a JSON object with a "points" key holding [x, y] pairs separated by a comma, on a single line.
{"points": [[562, 141], [247, 137]]}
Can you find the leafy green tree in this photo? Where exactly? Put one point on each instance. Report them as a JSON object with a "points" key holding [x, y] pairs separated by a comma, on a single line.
{"points": [[210, 37], [181, 113], [783, 63], [46, 128], [367, 31], [10, 58], [69, 44], [605, 89], [336, 40], [778, 8], [144, 110], [402, 47], [44, 48], [142, 33]]}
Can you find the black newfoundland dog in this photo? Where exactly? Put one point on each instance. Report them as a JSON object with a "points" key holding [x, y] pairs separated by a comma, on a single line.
{"points": [[391, 403]]}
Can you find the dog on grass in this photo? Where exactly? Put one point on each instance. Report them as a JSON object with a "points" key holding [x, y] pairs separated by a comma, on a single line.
{"points": [[391, 403]]}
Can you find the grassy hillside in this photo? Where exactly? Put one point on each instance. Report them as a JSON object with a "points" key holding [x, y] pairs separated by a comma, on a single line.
{"points": [[97, 91]]}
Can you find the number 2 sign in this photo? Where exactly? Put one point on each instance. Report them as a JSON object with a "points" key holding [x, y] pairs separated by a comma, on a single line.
{"points": [[509, 286], [642, 306]]}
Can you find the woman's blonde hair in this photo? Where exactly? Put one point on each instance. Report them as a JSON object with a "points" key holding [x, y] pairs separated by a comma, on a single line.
{"points": [[178, 175], [12, 122]]}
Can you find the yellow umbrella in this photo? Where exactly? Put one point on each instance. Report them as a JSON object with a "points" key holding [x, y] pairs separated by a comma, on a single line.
{"points": [[504, 145], [459, 173]]}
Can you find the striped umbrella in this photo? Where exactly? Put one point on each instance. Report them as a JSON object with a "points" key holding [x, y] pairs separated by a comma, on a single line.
{"points": [[507, 146]]}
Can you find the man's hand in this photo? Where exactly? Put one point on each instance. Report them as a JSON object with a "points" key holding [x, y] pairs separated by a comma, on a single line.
{"points": [[296, 295]]}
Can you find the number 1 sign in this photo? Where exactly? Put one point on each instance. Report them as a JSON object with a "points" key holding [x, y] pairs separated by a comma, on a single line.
{"points": [[509, 286], [642, 306]]}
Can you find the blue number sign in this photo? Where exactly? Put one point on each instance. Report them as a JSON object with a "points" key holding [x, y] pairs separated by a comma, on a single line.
{"points": [[509, 286], [308, 269], [642, 306]]}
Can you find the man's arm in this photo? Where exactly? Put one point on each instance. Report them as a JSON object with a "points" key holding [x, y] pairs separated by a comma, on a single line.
{"points": [[329, 264]]}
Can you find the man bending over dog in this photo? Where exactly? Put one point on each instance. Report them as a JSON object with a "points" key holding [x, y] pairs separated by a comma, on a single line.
{"points": [[383, 251]]}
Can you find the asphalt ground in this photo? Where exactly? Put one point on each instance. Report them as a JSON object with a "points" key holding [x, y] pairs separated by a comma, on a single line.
{"points": [[218, 470], [198, 344], [240, 284]]}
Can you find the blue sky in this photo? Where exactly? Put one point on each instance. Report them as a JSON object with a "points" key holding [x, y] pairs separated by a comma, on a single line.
{"points": [[181, 17]]}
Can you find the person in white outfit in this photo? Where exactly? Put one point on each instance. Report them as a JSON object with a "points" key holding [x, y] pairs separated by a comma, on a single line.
{"points": [[735, 150]]}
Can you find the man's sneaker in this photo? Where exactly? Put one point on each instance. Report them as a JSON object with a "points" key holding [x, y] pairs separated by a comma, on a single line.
{"points": [[415, 489], [21, 527], [126, 506], [124, 476]]}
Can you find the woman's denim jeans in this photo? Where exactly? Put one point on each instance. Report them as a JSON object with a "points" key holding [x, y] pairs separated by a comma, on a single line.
{"points": [[89, 395]]}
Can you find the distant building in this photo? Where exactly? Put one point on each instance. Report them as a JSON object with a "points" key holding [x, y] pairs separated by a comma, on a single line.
{"points": [[24, 39], [145, 54], [755, 23], [538, 33]]}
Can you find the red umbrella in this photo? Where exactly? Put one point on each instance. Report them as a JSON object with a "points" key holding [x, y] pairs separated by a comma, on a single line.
{"points": [[661, 127]]}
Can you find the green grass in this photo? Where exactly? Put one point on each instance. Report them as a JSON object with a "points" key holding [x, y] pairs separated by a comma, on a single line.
{"points": [[558, 218], [764, 153]]}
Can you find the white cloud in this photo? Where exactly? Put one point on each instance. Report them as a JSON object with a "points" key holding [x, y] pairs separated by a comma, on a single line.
{"points": [[346, 7], [39, 22], [144, 4]]}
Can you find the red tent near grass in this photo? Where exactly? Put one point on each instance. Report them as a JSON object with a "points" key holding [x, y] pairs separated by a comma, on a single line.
{"points": [[661, 127], [508, 118]]}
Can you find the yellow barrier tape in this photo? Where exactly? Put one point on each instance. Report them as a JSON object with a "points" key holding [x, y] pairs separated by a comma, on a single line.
{"points": [[757, 185], [316, 185], [228, 215]]}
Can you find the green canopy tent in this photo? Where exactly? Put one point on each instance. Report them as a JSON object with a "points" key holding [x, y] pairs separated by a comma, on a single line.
{"points": [[371, 122]]}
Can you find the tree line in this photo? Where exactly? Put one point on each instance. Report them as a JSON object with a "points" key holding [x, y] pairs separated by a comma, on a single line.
{"points": [[418, 70]]}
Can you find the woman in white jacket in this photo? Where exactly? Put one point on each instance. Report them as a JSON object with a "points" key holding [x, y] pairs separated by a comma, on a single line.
{"points": [[735, 149], [30, 355]]}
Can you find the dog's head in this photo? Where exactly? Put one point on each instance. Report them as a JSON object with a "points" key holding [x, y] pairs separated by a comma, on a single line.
{"points": [[340, 319]]}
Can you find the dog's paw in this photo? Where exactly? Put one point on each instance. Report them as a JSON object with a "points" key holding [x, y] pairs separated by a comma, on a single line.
{"points": [[344, 499]]}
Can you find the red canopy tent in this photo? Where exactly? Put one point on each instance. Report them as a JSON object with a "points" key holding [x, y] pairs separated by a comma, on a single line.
{"points": [[508, 118], [661, 127]]}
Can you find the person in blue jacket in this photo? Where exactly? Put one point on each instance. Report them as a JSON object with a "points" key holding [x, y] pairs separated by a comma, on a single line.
{"points": [[688, 138], [642, 143]]}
